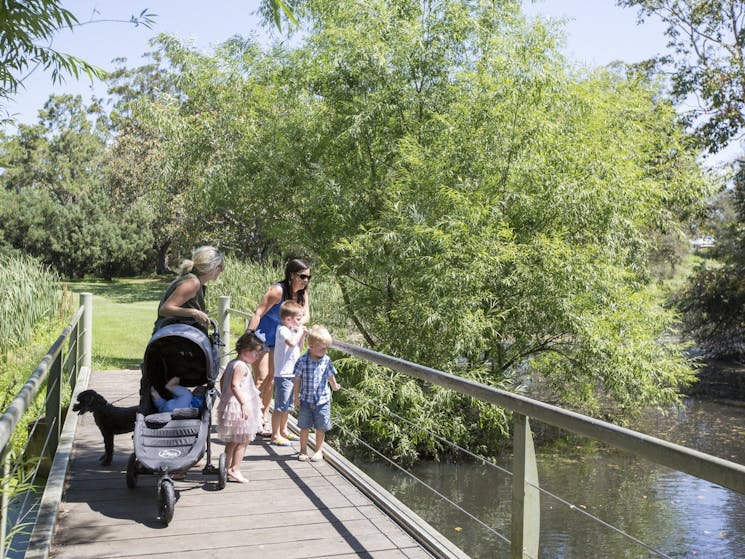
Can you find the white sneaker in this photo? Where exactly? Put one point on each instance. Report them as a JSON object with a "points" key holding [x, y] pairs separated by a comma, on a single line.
{"points": [[317, 457]]}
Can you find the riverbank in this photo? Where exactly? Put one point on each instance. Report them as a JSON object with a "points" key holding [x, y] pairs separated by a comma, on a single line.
{"points": [[720, 380]]}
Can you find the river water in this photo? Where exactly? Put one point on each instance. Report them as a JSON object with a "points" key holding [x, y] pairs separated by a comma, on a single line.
{"points": [[675, 514]]}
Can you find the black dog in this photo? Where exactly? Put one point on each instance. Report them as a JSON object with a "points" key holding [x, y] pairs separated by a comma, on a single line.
{"points": [[111, 420]]}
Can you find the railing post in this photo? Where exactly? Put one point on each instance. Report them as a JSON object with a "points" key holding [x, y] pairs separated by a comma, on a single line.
{"points": [[526, 504], [86, 301], [223, 322], [73, 350], [53, 409], [5, 482]]}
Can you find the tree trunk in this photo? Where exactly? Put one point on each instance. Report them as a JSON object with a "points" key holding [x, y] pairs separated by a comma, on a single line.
{"points": [[162, 264]]}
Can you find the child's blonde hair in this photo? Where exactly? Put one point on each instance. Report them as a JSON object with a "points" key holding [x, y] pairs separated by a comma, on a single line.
{"points": [[291, 308], [319, 334]]}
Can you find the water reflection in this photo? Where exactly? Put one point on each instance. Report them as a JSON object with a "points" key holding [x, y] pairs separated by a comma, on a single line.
{"points": [[680, 515]]}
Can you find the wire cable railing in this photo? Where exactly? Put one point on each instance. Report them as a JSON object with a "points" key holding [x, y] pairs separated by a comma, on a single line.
{"points": [[441, 495], [490, 464]]}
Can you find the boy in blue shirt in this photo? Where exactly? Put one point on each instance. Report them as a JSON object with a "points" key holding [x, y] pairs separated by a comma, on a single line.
{"points": [[314, 372]]}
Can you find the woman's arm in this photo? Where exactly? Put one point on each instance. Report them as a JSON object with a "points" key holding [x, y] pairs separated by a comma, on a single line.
{"points": [[272, 296], [306, 306]]}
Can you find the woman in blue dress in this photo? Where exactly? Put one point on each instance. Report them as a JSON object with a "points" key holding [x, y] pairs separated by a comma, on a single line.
{"points": [[293, 287]]}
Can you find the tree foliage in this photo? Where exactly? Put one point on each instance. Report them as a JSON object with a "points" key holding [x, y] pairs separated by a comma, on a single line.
{"points": [[708, 68], [484, 210], [27, 32], [713, 302], [55, 205], [23, 26], [708, 62], [481, 206]]}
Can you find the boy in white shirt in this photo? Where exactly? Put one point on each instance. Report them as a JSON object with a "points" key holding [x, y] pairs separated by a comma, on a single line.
{"points": [[289, 342]]}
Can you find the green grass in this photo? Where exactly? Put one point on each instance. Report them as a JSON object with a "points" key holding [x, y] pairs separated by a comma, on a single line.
{"points": [[124, 311]]}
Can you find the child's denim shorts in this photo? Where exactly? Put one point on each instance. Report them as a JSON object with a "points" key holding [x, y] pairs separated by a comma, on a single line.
{"points": [[283, 393], [311, 415]]}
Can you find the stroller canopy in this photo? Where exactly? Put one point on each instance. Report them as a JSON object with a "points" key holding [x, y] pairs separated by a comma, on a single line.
{"points": [[182, 351]]}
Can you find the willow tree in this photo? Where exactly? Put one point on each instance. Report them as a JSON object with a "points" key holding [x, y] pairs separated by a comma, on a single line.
{"points": [[485, 210]]}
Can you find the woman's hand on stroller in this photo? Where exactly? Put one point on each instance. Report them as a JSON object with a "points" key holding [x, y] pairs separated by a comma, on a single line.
{"points": [[200, 316]]}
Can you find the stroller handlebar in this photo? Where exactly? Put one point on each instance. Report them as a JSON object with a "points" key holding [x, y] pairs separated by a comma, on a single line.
{"points": [[215, 335]]}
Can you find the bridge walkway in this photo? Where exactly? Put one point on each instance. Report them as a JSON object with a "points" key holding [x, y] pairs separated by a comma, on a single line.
{"points": [[289, 508]]}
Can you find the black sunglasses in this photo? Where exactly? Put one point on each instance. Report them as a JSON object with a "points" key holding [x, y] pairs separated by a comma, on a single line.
{"points": [[305, 276]]}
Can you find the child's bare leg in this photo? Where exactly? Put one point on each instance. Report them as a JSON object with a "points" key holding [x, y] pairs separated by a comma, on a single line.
{"points": [[276, 425], [237, 458], [229, 450], [320, 437], [234, 472], [304, 441]]}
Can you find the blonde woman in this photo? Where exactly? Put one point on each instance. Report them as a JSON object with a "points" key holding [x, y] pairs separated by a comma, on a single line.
{"points": [[183, 301]]}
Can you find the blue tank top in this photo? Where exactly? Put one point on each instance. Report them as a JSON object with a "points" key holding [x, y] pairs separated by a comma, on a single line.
{"points": [[269, 322]]}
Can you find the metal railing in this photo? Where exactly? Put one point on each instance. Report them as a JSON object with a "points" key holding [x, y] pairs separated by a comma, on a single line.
{"points": [[67, 360], [525, 516]]}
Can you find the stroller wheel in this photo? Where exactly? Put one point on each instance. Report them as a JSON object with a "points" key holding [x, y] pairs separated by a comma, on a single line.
{"points": [[132, 471], [222, 465], [166, 501]]}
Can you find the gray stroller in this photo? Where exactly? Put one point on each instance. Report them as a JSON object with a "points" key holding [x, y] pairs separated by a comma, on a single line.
{"points": [[170, 442]]}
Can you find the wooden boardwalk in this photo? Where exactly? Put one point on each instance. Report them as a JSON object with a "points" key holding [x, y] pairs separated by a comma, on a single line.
{"points": [[289, 508]]}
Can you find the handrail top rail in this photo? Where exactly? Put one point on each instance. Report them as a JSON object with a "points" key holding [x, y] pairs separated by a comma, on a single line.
{"points": [[677, 457], [705, 466], [12, 415], [240, 313]]}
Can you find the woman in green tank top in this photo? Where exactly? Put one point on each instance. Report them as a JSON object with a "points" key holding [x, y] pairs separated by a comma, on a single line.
{"points": [[183, 301]]}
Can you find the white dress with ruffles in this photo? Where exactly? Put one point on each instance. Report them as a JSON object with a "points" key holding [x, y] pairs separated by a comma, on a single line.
{"points": [[231, 427]]}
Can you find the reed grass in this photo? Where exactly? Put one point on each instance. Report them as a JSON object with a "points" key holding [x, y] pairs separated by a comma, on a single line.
{"points": [[32, 296], [33, 311]]}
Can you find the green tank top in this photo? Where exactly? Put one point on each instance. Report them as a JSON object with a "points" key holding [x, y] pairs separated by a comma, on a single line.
{"points": [[196, 302]]}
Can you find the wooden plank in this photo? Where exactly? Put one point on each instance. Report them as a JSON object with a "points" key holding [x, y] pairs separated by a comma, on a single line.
{"points": [[289, 509]]}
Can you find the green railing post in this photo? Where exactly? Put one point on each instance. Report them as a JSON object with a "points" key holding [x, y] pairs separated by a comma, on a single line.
{"points": [[223, 322], [86, 301], [73, 350], [526, 505], [5, 498], [53, 408]]}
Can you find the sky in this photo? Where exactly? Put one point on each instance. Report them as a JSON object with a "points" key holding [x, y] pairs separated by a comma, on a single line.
{"points": [[598, 32]]}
